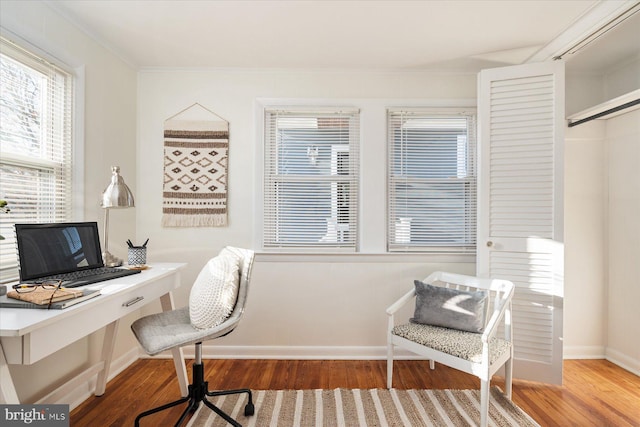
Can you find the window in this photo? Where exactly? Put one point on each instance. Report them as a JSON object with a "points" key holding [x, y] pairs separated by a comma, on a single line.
{"points": [[311, 180], [431, 181], [35, 145]]}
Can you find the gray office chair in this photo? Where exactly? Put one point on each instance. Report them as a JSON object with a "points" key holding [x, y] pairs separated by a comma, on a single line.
{"points": [[171, 329]]}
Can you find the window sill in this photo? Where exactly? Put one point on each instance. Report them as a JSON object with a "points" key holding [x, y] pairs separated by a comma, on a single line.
{"points": [[366, 257]]}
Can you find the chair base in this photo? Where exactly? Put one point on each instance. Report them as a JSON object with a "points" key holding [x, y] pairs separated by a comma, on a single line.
{"points": [[198, 392]]}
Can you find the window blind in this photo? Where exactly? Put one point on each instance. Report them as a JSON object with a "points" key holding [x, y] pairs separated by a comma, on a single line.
{"points": [[431, 181], [36, 145], [311, 165]]}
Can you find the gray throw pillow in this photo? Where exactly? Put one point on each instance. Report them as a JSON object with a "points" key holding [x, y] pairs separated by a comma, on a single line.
{"points": [[450, 308]]}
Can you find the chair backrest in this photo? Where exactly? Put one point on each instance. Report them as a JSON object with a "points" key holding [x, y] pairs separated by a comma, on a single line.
{"points": [[246, 267], [500, 291]]}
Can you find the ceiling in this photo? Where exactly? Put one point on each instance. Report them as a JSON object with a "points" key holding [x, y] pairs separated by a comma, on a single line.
{"points": [[383, 35]]}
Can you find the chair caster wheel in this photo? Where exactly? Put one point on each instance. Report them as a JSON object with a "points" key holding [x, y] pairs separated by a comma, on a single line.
{"points": [[249, 409]]}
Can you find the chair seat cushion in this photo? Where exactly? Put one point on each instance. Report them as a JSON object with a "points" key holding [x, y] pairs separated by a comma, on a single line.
{"points": [[169, 329], [164, 330], [461, 344]]}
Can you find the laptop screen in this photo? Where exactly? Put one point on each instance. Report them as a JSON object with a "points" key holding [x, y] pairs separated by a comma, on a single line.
{"points": [[48, 249]]}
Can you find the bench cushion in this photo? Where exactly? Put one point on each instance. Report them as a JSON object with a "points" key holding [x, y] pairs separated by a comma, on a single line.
{"points": [[461, 344]]}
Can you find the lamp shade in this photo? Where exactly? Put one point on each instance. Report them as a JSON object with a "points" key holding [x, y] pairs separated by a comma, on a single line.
{"points": [[117, 194]]}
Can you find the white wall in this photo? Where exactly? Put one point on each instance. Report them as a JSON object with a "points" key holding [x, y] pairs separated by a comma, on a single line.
{"points": [[622, 143], [582, 91], [622, 78], [587, 89], [107, 134], [585, 305], [623, 227], [297, 307]]}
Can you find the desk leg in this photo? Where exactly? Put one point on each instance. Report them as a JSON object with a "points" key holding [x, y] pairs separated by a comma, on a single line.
{"points": [[166, 302], [8, 394], [107, 354]]}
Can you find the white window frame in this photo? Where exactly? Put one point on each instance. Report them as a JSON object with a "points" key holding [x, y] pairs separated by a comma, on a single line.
{"points": [[333, 240], [372, 221], [399, 228], [67, 172]]}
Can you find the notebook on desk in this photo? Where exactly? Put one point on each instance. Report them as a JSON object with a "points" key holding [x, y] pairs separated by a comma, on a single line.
{"points": [[63, 251], [7, 302]]}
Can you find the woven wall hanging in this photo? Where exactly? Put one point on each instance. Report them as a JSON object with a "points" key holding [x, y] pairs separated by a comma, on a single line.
{"points": [[196, 158]]}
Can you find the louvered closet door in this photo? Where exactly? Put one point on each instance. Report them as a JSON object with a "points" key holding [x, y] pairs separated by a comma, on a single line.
{"points": [[520, 209]]}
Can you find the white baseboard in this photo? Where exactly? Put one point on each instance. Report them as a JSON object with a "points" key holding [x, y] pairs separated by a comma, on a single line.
{"points": [[600, 352], [583, 352], [82, 386], [630, 364], [294, 352]]}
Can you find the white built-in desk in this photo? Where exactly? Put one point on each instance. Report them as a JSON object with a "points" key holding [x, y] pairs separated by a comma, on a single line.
{"points": [[29, 335]]}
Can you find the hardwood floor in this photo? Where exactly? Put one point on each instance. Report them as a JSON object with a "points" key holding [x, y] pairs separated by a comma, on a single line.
{"points": [[595, 392]]}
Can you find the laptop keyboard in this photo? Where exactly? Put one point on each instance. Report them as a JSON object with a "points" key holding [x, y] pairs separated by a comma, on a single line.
{"points": [[87, 277]]}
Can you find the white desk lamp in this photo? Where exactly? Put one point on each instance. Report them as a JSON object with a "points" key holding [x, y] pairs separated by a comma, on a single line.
{"points": [[116, 195]]}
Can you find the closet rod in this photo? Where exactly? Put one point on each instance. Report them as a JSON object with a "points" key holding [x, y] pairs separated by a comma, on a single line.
{"points": [[605, 113]]}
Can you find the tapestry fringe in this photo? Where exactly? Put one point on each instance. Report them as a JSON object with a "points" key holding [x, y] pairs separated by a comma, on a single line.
{"points": [[172, 220]]}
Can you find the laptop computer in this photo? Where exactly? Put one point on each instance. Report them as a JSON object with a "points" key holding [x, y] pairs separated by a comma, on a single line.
{"points": [[63, 251]]}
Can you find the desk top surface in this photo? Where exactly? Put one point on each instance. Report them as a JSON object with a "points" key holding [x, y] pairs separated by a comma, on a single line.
{"points": [[19, 321]]}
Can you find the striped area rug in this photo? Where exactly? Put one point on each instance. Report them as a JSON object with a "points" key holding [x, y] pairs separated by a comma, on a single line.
{"points": [[354, 407]]}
